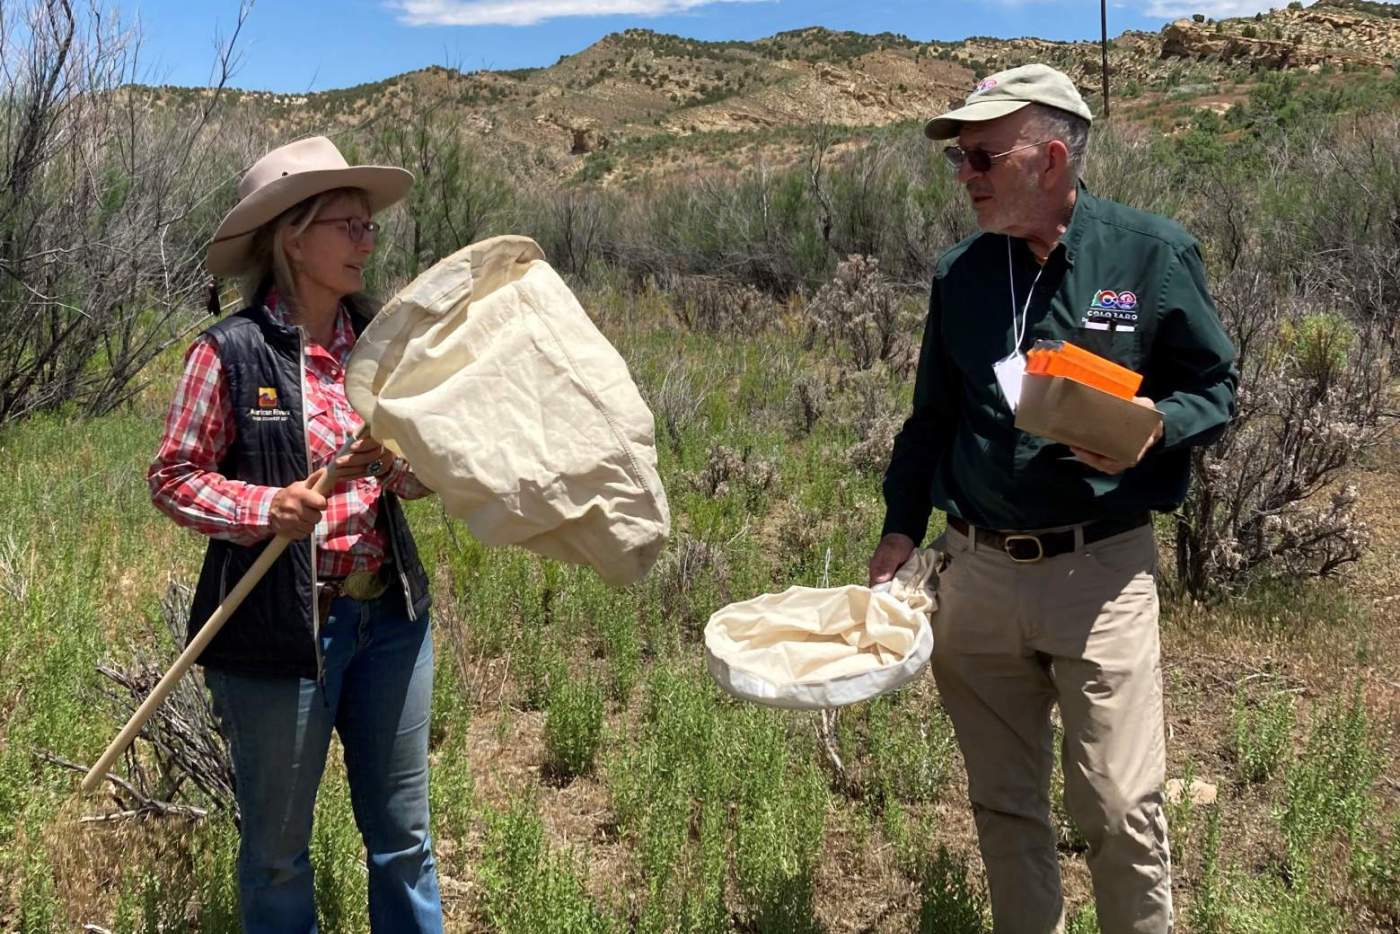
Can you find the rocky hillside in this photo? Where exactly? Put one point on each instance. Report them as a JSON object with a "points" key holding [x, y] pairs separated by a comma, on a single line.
{"points": [[1330, 33], [638, 102]]}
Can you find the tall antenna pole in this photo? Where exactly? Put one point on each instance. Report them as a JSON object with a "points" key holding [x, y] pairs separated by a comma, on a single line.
{"points": [[1103, 27]]}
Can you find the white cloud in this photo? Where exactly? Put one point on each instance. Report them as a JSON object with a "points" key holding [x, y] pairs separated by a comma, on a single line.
{"points": [[529, 12], [1216, 9]]}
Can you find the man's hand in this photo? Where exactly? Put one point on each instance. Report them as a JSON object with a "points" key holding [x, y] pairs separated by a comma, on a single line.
{"points": [[356, 463], [1113, 467], [894, 549], [297, 508]]}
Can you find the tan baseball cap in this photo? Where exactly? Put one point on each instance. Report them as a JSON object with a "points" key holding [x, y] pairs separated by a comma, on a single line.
{"points": [[1007, 92]]}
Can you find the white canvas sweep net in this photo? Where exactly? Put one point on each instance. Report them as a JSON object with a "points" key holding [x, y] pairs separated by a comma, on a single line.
{"points": [[490, 378], [810, 648]]}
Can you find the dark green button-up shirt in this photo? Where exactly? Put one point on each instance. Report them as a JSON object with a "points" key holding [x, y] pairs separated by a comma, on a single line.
{"points": [[1122, 283]]}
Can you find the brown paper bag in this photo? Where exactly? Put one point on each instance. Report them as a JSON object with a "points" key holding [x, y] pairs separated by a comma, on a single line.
{"points": [[1071, 413]]}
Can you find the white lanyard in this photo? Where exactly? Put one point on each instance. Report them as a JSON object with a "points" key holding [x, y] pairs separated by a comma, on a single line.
{"points": [[1018, 330], [1012, 370]]}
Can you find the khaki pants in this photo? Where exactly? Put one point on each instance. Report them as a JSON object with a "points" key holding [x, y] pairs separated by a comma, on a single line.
{"points": [[1080, 630]]}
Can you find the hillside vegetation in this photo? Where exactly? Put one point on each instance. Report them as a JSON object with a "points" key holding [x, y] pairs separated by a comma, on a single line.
{"points": [[647, 92], [764, 276]]}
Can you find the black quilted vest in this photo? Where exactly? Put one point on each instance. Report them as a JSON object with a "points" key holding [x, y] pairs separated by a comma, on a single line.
{"points": [[274, 631]]}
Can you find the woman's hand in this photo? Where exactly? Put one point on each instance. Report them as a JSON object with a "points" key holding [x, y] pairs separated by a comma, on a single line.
{"points": [[297, 508], [364, 455]]}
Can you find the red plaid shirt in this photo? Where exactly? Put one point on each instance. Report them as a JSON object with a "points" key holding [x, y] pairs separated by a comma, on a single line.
{"points": [[186, 484]]}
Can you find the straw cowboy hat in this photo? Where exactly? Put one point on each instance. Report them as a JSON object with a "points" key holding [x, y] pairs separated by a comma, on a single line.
{"points": [[287, 176]]}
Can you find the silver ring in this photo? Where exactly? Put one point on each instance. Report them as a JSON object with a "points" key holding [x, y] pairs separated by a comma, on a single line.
{"points": [[374, 468]]}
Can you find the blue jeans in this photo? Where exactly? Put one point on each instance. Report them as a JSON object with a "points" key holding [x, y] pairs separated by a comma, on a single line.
{"points": [[376, 693]]}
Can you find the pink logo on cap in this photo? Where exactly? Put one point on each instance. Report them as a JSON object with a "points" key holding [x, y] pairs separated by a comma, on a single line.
{"points": [[986, 84]]}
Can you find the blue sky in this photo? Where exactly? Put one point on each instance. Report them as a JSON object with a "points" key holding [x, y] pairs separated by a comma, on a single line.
{"points": [[314, 45]]}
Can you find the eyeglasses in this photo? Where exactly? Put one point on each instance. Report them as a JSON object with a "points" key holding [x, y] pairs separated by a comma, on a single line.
{"points": [[979, 159], [355, 228]]}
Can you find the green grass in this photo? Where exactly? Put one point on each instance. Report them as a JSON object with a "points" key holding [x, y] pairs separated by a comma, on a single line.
{"points": [[573, 727], [716, 816], [1260, 735], [530, 886], [1328, 793], [951, 900]]}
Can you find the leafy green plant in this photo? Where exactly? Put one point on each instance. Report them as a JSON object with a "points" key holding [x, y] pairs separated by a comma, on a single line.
{"points": [[623, 647], [543, 669], [667, 781], [1231, 902], [337, 858], [215, 872], [451, 789], [573, 727], [528, 887], [1207, 912], [1375, 870], [1260, 735], [39, 907], [1328, 790], [779, 819], [950, 900], [1181, 816], [1318, 345], [1085, 920], [910, 751]]}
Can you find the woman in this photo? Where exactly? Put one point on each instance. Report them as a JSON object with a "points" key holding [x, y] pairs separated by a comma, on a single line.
{"points": [[336, 635]]}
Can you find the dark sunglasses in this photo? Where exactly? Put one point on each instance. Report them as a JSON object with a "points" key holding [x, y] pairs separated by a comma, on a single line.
{"points": [[355, 228], [979, 159]]}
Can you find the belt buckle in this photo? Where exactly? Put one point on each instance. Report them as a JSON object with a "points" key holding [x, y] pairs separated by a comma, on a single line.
{"points": [[363, 585], [1039, 548]]}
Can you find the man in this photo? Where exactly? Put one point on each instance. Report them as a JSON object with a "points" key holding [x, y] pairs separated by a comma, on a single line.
{"points": [[1050, 595]]}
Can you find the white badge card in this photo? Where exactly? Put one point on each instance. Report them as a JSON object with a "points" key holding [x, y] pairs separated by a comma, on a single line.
{"points": [[1010, 373]]}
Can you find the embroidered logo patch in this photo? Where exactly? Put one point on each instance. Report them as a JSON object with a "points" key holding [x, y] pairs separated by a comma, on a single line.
{"points": [[268, 410], [1111, 311], [986, 84], [1122, 301]]}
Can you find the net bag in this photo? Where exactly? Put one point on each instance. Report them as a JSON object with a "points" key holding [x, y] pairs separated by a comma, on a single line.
{"points": [[487, 375], [809, 648]]}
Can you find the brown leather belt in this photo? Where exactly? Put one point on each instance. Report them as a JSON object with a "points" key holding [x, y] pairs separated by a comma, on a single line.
{"points": [[1026, 548]]}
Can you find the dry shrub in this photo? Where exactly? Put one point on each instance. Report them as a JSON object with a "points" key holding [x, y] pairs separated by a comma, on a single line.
{"points": [[809, 400], [872, 453], [105, 208], [691, 575], [708, 305], [861, 316], [676, 402], [799, 533], [1268, 498], [180, 764], [728, 471], [1303, 245]]}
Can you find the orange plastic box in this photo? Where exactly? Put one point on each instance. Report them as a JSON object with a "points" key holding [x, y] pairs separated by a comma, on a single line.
{"points": [[1078, 398], [1061, 358]]}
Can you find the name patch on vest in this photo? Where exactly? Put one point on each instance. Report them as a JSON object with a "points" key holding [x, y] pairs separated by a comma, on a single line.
{"points": [[267, 409]]}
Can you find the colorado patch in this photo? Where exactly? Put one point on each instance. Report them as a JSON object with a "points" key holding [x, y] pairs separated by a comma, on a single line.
{"points": [[1112, 310]]}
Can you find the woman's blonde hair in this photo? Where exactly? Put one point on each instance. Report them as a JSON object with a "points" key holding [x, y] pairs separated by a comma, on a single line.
{"points": [[271, 268]]}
